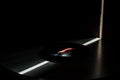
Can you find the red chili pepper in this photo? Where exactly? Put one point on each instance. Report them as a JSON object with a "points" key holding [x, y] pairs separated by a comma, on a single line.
{"points": [[65, 50]]}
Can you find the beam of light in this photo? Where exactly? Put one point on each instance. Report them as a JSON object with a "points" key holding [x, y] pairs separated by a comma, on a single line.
{"points": [[91, 41], [98, 69], [101, 19], [99, 59], [33, 67]]}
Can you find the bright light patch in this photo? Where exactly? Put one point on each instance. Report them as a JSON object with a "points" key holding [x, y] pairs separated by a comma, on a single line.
{"points": [[33, 67], [91, 41], [101, 19], [98, 68]]}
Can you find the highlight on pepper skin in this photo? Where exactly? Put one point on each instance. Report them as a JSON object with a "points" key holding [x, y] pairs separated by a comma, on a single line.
{"points": [[65, 52]]}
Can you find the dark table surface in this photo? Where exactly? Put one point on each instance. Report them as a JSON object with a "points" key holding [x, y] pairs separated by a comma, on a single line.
{"points": [[104, 64]]}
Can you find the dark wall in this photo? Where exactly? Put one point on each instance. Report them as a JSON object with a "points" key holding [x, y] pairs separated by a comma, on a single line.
{"points": [[111, 35], [30, 24], [111, 22]]}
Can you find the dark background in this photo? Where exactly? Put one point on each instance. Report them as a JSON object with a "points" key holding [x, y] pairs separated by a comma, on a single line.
{"points": [[27, 25], [111, 35]]}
